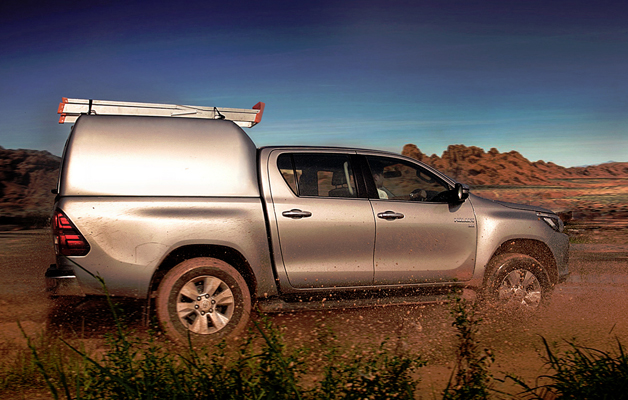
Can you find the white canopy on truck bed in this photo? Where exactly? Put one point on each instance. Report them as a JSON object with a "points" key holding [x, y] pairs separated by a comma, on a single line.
{"points": [[111, 155]]}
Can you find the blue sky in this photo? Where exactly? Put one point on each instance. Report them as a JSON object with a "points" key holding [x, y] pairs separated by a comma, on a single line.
{"points": [[546, 78]]}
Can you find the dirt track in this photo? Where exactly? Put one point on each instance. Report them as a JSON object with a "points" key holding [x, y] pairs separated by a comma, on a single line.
{"points": [[589, 308]]}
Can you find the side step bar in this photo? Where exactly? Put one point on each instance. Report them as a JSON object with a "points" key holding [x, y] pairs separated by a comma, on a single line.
{"points": [[279, 306]]}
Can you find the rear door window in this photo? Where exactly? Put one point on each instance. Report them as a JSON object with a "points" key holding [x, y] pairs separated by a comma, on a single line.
{"points": [[319, 175]]}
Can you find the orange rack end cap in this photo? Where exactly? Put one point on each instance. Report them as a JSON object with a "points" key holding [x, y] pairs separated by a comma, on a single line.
{"points": [[259, 106]]}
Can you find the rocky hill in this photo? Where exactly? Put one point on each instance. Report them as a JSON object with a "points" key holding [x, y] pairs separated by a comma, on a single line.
{"points": [[26, 177], [474, 166]]}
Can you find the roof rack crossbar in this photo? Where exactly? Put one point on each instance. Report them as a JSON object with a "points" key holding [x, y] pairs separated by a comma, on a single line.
{"points": [[71, 109]]}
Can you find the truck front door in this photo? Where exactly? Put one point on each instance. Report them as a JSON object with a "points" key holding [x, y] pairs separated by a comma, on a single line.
{"points": [[325, 229], [421, 237]]}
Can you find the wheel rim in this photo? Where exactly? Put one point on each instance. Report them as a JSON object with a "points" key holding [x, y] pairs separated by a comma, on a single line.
{"points": [[521, 288], [205, 305]]}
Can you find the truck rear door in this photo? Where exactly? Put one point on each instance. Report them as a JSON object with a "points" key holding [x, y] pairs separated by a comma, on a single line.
{"points": [[324, 223]]}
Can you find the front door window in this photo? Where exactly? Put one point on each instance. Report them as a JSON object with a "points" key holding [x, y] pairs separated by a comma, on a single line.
{"points": [[402, 181]]}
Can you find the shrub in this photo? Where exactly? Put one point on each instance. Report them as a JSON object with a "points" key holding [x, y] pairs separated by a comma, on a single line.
{"points": [[368, 375], [471, 377]]}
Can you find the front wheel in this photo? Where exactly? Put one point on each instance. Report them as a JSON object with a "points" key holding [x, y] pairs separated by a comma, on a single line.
{"points": [[517, 281], [205, 298]]}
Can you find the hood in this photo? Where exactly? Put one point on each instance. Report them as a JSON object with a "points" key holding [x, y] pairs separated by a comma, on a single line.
{"points": [[524, 207]]}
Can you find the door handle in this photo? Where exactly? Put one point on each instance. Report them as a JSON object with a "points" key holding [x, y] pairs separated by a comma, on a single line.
{"points": [[390, 215], [295, 213]]}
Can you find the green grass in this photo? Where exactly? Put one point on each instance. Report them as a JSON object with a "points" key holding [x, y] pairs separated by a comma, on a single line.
{"points": [[581, 373], [261, 365]]}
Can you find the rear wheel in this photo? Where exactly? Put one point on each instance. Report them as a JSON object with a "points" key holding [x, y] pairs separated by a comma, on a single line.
{"points": [[205, 298], [517, 281]]}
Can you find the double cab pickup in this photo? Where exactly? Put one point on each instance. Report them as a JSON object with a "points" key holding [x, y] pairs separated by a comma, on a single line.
{"points": [[190, 215]]}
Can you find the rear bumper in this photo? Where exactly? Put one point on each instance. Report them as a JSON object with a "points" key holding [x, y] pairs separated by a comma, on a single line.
{"points": [[62, 282]]}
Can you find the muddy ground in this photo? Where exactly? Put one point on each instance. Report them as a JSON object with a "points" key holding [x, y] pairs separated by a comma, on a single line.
{"points": [[590, 308]]}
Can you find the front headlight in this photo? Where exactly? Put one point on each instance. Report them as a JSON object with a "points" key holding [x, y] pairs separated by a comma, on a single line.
{"points": [[552, 220]]}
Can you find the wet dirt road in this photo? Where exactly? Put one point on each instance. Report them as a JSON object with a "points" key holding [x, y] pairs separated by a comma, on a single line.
{"points": [[590, 308]]}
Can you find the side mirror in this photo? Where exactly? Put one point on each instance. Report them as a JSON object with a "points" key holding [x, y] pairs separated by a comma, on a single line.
{"points": [[459, 193]]}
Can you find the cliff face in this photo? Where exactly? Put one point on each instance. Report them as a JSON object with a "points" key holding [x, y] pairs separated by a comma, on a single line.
{"points": [[26, 178], [474, 166]]}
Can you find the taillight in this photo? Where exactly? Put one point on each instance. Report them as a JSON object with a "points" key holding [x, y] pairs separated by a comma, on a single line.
{"points": [[68, 240]]}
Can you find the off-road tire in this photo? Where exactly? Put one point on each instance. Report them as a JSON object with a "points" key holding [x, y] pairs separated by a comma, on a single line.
{"points": [[221, 307], [516, 281]]}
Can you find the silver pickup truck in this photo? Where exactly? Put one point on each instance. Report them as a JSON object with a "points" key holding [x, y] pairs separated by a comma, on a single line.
{"points": [[190, 215]]}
